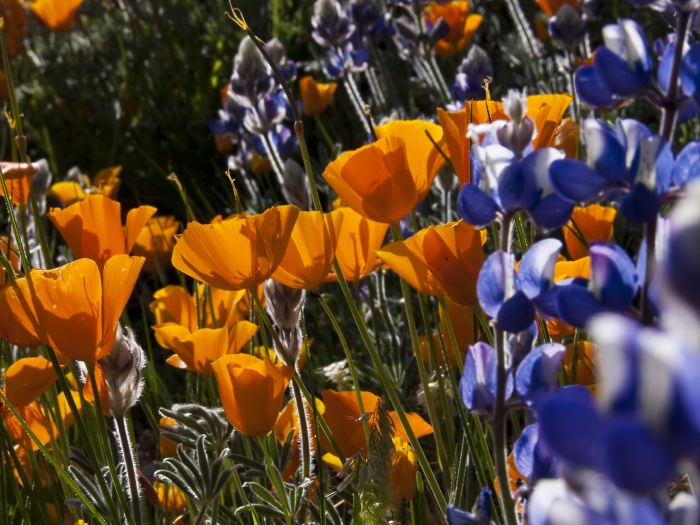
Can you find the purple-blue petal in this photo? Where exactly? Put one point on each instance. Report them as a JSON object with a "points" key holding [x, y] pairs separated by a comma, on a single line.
{"points": [[617, 75], [640, 205], [613, 276], [536, 271], [591, 90], [516, 314], [516, 188], [687, 165], [491, 283], [690, 73], [576, 305], [475, 207], [537, 374], [574, 181], [552, 212], [571, 427], [635, 459]]}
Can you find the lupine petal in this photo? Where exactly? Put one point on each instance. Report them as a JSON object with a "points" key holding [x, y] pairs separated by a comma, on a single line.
{"points": [[591, 90], [576, 305], [537, 374], [605, 154], [690, 73], [687, 166], [536, 269], [574, 181], [571, 426], [494, 278], [613, 276], [616, 74], [516, 188], [639, 205], [516, 314], [635, 459], [552, 212], [475, 207]]}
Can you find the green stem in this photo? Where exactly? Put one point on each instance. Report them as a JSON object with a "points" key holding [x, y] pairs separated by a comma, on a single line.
{"points": [[131, 466]]}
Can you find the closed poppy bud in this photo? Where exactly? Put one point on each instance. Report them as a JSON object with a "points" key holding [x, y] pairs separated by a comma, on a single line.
{"points": [[309, 254], [316, 96], [57, 14], [76, 308], [461, 25], [594, 223], [439, 260], [155, 242], [251, 391], [237, 253], [93, 228], [402, 473], [122, 370], [27, 378], [18, 179], [358, 239]]}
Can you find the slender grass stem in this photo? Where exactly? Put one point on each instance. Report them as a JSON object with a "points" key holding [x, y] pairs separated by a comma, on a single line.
{"points": [[130, 463]]}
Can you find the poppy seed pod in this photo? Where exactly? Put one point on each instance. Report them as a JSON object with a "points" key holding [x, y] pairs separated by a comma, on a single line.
{"points": [[122, 371]]}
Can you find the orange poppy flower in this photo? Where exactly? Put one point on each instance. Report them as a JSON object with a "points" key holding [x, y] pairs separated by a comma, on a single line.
{"points": [[251, 391], [547, 111], [309, 254], [18, 179], [385, 180], [237, 253], [174, 304], [197, 350], [462, 321], [12, 12], [93, 228], [439, 260], [585, 364], [462, 25], [342, 414], [167, 446], [9, 250], [58, 15], [18, 320], [402, 472], [170, 498], [33, 414], [552, 7], [102, 391], [566, 138], [358, 239], [155, 242], [595, 223], [75, 308], [27, 378], [315, 96], [106, 182]]}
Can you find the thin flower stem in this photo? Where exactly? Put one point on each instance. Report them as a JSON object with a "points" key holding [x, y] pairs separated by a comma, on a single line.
{"points": [[275, 159], [131, 466], [357, 103], [422, 371], [296, 393], [500, 410], [351, 362], [669, 116]]}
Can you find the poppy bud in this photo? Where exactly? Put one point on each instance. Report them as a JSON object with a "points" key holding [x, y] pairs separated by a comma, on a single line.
{"points": [[122, 370]]}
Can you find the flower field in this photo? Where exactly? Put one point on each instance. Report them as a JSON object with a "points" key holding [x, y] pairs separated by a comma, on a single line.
{"points": [[350, 261]]}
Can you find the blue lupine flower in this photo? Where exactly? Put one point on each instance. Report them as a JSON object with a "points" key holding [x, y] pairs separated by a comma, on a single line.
{"points": [[612, 286], [283, 140], [531, 457], [590, 500], [479, 382], [278, 54], [266, 114], [481, 515], [690, 73], [668, 5], [469, 81], [370, 22], [567, 27], [537, 374], [511, 297], [252, 78], [621, 68], [332, 27], [647, 418], [627, 163], [340, 60]]}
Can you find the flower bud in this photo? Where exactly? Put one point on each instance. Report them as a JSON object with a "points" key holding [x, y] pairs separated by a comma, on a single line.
{"points": [[284, 304], [295, 188], [567, 28], [252, 76], [472, 72], [122, 370]]}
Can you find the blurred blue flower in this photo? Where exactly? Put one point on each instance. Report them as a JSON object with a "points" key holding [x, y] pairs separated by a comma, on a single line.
{"points": [[469, 81], [627, 163], [621, 68], [480, 516]]}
